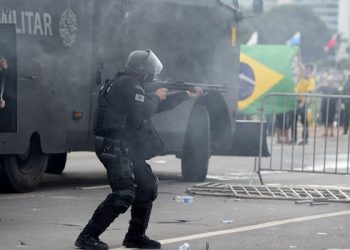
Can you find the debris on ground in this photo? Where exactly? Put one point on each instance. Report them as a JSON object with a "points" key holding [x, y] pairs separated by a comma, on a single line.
{"points": [[21, 244], [185, 246], [183, 199], [319, 195], [313, 202], [227, 221]]}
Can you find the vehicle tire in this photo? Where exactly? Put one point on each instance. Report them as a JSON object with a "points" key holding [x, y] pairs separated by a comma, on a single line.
{"points": [[56, 163], [22, 173], [196, 150]]}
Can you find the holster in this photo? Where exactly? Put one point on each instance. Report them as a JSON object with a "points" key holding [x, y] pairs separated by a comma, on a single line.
{"points": [[114, 155]]}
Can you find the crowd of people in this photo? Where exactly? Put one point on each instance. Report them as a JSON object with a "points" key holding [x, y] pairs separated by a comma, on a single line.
{"points": [[330, 110]]}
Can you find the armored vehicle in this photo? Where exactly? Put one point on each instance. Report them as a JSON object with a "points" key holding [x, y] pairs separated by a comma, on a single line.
{"points": [[59, 52]]}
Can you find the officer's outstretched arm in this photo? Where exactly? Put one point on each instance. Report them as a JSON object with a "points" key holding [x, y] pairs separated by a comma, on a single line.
{"points": [[172, 101]]}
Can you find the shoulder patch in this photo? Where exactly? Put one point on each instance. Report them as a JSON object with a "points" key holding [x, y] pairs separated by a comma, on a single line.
{"points": [[139, 98]]}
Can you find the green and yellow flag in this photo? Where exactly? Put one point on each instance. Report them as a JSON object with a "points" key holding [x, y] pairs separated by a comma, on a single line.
{"points": [[266, 69]]}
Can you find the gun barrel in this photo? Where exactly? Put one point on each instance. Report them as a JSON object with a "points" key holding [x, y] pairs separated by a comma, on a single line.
{"points": [[183, 86]]}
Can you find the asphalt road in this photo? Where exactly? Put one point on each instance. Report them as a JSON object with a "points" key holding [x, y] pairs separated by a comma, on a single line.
{"points": [[53, 216]]}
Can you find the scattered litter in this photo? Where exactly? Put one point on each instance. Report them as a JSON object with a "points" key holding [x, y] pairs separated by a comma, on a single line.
{"points": [[21, 244], [183, 199], [185, 246], [318, 203], [322, 233], [172, 222], [313, 202], [302, 201], [227, 221], [319, 195], [68, 225], [236, 199]]}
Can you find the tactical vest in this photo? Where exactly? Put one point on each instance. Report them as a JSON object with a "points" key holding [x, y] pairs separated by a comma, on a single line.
{"points": [[107, 119]]}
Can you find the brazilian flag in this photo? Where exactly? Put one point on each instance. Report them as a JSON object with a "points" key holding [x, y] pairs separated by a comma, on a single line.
{"points": [[266, 69]]}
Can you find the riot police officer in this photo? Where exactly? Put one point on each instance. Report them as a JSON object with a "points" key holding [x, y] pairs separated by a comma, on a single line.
{"points": [[125, 139]]}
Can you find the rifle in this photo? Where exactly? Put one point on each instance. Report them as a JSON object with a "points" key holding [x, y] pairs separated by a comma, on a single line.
{"points": [[151, 87]]}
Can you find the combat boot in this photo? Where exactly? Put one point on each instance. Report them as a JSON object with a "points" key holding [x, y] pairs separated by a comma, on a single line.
{"points": [[140, 241], [89, 242], [136, 237], [103, 216]]}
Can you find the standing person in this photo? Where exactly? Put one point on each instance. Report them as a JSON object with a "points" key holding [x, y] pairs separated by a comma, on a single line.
{"points": [[346, 101], [305, 85], [328, 105], [283, 125], [125, 139], [3, 69]]}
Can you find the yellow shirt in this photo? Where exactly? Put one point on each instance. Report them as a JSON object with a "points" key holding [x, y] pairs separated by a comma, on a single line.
{"points": [[304, 86]]}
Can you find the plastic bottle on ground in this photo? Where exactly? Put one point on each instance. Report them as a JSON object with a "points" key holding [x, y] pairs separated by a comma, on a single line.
{"points": [[183, 199], [185, 246]]}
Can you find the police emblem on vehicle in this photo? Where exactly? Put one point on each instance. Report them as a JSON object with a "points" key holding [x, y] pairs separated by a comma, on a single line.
{"points": [[68, 27]]}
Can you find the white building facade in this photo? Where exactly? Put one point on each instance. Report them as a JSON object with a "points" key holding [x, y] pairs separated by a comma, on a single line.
{"points": [[344, 27]]}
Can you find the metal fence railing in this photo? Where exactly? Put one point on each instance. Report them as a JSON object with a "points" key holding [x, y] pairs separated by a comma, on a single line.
{"points": [[307, 133]]}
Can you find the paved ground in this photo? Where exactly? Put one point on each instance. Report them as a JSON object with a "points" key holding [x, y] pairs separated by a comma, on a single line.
{"points": [[53, 216]]}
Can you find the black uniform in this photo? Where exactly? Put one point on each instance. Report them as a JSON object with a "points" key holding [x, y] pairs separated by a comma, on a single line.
{"points": [[125, 139]]}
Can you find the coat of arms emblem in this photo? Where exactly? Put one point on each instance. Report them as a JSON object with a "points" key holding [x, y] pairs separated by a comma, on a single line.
{"points": [[68, 27]]}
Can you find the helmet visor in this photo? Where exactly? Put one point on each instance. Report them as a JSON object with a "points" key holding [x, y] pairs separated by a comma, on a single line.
{"points": [[152, 63]]}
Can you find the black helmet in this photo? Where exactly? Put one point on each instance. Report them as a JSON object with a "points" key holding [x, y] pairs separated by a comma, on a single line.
{"points": [[145, 64]]}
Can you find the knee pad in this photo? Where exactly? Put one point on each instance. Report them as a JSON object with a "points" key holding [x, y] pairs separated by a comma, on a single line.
{"points": [[147, 193], [121, 200]]}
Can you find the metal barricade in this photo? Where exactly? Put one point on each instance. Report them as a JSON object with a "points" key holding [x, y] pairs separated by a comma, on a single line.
{"points": [[315, 144]]}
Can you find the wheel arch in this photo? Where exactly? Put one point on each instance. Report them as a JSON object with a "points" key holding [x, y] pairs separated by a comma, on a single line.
{"points": [[35, 140]]}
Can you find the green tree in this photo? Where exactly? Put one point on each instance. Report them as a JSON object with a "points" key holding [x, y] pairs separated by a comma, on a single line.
{"points": [[280, 24]]}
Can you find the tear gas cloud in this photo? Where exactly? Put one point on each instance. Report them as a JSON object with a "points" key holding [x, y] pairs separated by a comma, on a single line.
{"points": [[191, 37]]}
